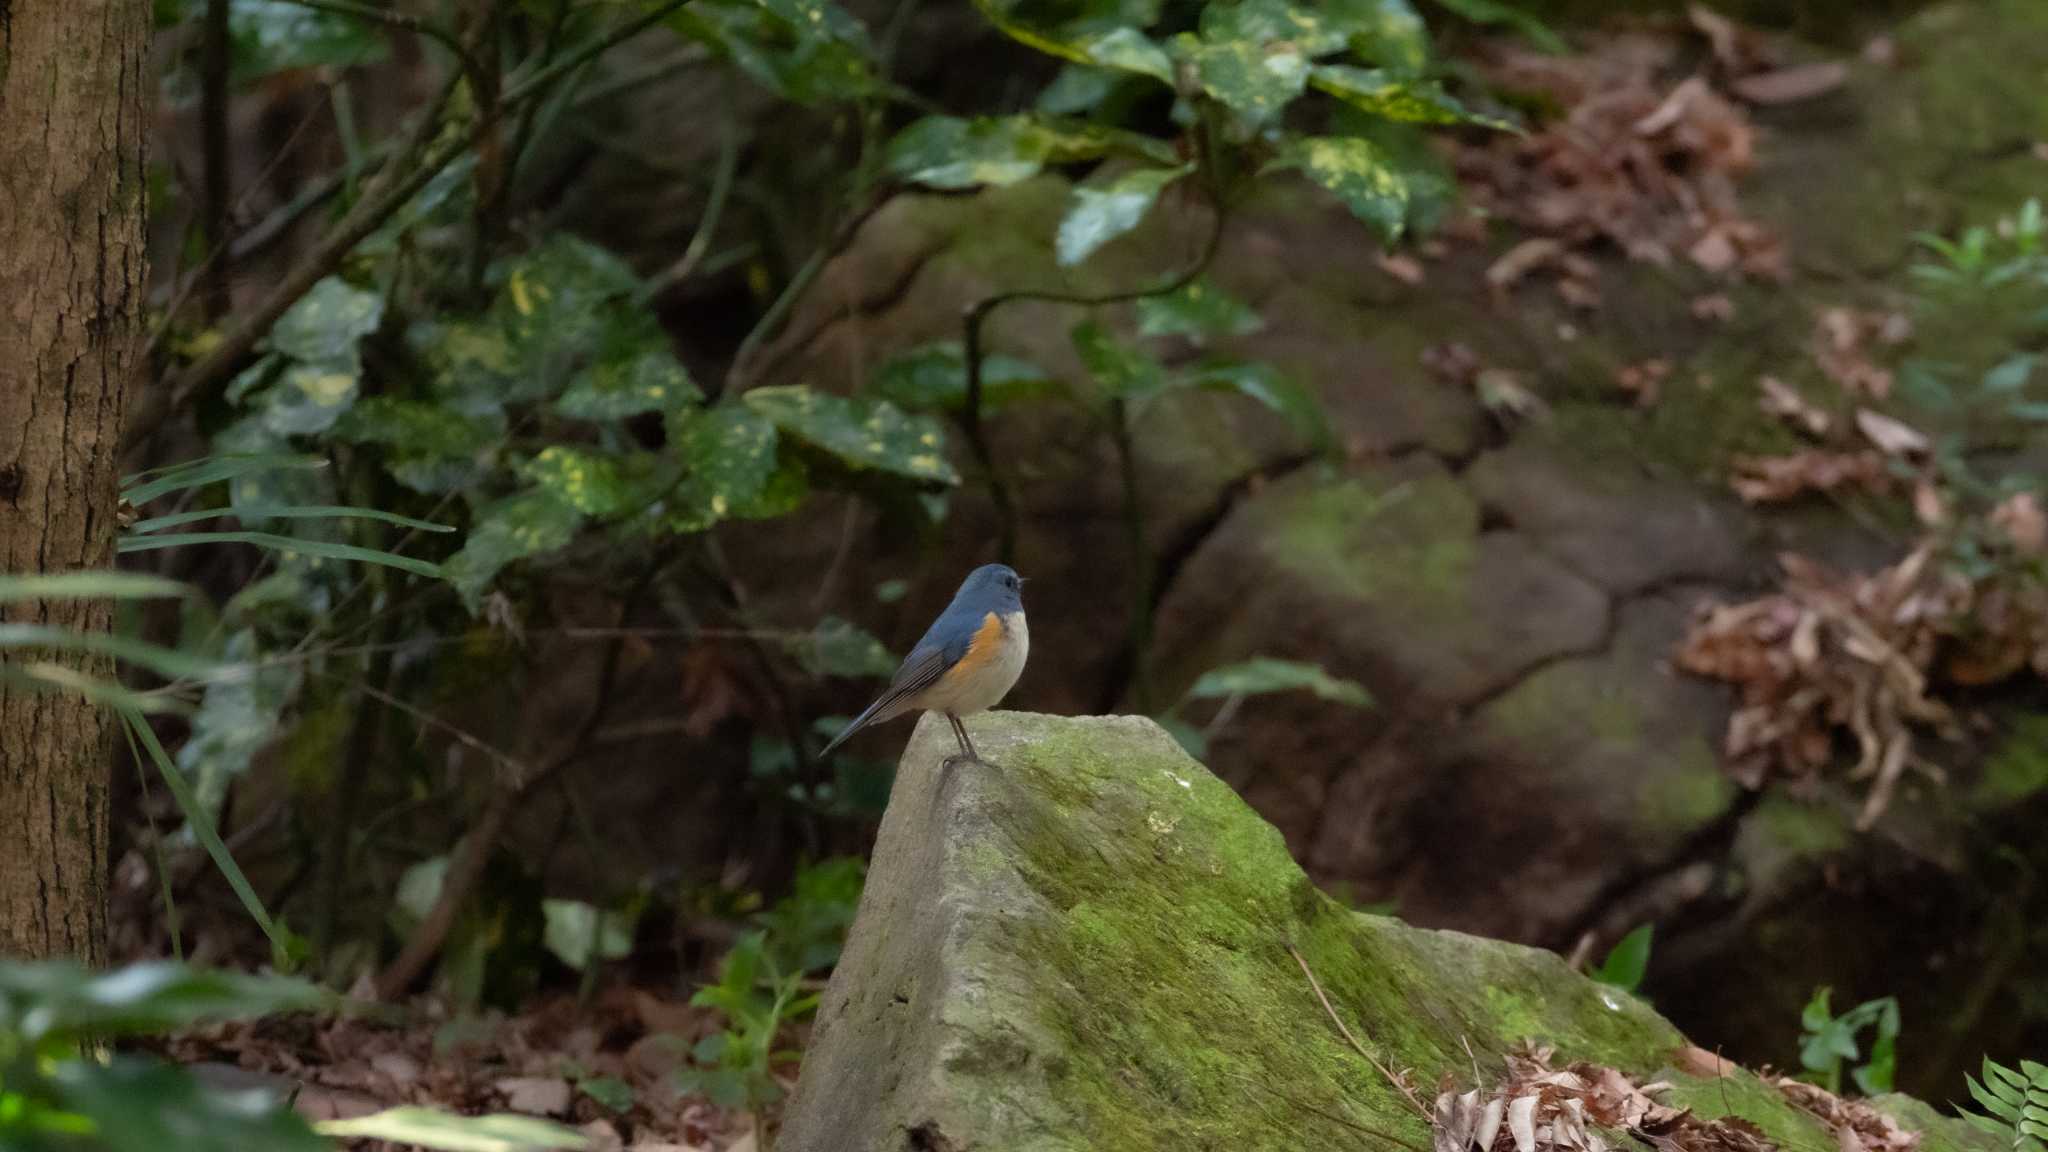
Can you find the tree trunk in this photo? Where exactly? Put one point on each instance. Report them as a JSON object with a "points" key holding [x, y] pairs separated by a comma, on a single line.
{"points": [[73, 98]]}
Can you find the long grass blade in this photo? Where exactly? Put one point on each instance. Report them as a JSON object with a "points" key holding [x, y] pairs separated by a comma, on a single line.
{"points": [[156, 844], [47, 677], [169, 663], [202, 827], [285, 512], [140, 489], [278, 543], [91, 586]]}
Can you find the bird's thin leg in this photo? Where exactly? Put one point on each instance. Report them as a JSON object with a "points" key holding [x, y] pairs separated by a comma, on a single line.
{"points": [[966, 743]]}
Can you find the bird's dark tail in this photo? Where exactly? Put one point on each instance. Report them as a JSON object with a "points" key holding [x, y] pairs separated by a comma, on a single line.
{"points": [[859, 722]]}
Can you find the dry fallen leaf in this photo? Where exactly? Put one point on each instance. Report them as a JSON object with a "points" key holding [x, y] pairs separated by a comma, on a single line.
{"points": [[1781, 400], [2020, 520], [1715, 306], [536, 1095], [1403, 267], [1892, 437], [1522, 259], [1774, 479], [1791, 85]]}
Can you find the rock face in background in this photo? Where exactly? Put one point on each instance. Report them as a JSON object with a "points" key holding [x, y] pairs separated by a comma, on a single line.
{"points": [[1533, 769], [1092, 943]]}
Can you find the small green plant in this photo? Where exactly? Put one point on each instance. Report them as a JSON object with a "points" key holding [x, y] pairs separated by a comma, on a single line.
{"points": [[1829, 1044], [57, 1094], [2017, 1103], [1260, 676], [735, 1066], [1629, 962]]}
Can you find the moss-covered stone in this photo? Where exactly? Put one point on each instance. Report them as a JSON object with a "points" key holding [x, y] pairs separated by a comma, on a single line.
{"points": [[1091, 943]]}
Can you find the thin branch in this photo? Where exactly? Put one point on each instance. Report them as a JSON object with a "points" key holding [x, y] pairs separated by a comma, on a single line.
{"points": [[1332, 1117], [707, 225], [1396, 1081], [977, 315], [379, 203], [397, 21], [217, 190], [466, 867]]}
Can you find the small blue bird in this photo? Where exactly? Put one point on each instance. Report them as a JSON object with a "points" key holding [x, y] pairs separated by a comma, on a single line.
{"points": [[967, 661]]}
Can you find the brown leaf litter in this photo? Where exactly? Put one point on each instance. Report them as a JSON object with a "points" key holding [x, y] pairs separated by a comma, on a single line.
{"points": [[1639, 158], [534, 1063], [1831, 653], [1541, 1107]]}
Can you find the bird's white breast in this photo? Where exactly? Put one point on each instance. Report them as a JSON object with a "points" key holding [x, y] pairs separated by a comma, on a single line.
{"points": [[985, 685]]}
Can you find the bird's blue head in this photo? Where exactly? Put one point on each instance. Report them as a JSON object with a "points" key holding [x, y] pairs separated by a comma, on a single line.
{"points": [[991, 588]]}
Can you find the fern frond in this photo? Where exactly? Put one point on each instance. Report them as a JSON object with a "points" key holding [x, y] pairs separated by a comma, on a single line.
{"points": [[2017, 1103]]}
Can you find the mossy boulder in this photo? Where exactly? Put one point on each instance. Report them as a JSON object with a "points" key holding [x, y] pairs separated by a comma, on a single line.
{"points": [[1092, 943]]}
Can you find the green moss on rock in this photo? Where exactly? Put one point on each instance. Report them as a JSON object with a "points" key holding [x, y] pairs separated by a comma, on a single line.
{"points": [[1090, 943]]}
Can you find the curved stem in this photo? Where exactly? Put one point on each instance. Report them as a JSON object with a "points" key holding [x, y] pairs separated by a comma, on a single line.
{"points": [[977, 315]]}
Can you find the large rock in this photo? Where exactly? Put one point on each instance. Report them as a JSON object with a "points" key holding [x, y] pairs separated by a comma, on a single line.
{"points": [[1092, 943]]}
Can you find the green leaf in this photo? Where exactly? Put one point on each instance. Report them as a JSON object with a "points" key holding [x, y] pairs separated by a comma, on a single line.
{"points": [[165, 662], [610, 1092], [238, 717], [2032, 411], [1199, 311], [818, 18], [729, 453], [1102, 213], [147, 486], [328, 323], [530, 523], [285, 512], [951, 153], [1629, 962], [1188, 736], [577, 931], [933, 378], [309, 398], [814, 69], [289, 545], [434, 448], [862, 431], [837, 647], [91, 586], [1383, 32], [1271, 24], [1264, 674], [1404, 100], [1994, 1103], [1078, 90], [1817, 1015], [1119, 369], [1253, 80], [628, 381], [143, 1105], [1129, 50], [59, 1001], [1122, 47], [271, 36], [591, 483], [2011, 374], [1356, 172], [427, 1128], [1288, 397]]}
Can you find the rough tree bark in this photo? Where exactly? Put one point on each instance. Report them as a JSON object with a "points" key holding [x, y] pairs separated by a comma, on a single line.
{"points": [[73, 99]]}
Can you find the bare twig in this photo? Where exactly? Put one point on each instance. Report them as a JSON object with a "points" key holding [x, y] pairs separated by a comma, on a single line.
{"points": [[466, 866], [1332, 1117], [976, 317], [398, 186], [1396, 1081], [397, 21]]}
